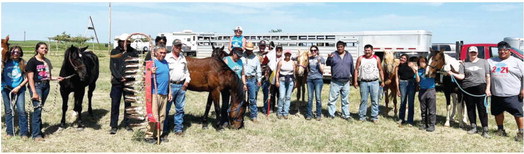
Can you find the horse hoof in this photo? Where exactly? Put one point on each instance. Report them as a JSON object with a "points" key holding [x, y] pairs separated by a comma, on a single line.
{"points": [[80, 128], [205, 127], [60, 129], [446, 124]]}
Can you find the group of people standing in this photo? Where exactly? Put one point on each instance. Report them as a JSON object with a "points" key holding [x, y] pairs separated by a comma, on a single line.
{"points": [[273, 69]]}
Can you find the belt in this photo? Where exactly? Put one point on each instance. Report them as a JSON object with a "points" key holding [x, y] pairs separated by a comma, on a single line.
{"points": [[368, 80], [249, 77], [177, 82]]}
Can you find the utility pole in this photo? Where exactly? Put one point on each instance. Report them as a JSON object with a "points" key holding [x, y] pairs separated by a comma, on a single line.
{"points": [[24, 35], [109, 47]]}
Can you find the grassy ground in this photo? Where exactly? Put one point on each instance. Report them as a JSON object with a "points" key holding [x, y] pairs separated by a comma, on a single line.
{"points": [[269, 135]]}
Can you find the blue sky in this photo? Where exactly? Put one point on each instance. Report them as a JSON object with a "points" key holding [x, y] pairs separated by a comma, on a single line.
{"points": [[471, 22]]}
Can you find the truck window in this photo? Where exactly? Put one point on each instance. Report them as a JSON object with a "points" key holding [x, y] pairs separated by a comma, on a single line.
{"points": [[494, 51]]}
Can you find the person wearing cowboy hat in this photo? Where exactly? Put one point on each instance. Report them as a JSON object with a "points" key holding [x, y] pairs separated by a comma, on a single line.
{"points": [[264, 61], [253, 75], [117, 67], [238, 40]]}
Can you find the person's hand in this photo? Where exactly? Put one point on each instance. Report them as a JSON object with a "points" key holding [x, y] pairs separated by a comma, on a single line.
{"points": [[488, 92], [521, 94], [15, 90], [169, 97], [355, 84], [35, 97], [259, 84], [153, 70], [398, 92], [123, 79], [59, 78], [277, 84], [382, 84], [330, 55], [245, 87], [184, 87]]}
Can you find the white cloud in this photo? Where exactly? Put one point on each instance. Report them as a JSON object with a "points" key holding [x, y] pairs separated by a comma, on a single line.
{"points": [[500, 7]]}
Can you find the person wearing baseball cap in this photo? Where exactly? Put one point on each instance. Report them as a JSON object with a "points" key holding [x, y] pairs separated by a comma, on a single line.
{"points": [[238, 40], [475, 76], [285, 77], [117, 67]]}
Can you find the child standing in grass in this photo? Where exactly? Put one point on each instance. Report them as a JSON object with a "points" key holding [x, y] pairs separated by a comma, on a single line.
{"points": [[427, 96]]}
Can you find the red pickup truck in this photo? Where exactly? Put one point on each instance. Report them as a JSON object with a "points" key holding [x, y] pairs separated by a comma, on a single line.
{"points": [[486, 51]]}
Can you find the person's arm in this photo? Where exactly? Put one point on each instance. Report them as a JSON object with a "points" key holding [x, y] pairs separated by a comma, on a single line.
{"points": [[244, 43], [397, 80], [30, 76], [381, 73], [355, 74], [187, 75], [329, 61], [244, 78], [17, 88], [460, 75], [321, 65], [113, 66], [259, 72], [277, 74]]}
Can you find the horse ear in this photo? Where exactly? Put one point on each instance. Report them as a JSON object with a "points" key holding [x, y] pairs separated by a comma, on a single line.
{"points": [[84, 48], [222, 48], [7, 38]]}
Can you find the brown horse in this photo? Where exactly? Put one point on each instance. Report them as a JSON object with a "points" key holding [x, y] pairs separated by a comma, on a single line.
{"points": [[214, 76], [390, 87], [440, 61], [5, 48], [301, 74]]}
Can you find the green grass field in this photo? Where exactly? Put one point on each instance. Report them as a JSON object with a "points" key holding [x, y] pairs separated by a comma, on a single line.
{"points": [[268, 135]]}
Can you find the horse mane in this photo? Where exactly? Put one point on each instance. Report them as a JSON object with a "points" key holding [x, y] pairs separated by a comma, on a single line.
{"points": [[451, 64], [390, 62]]}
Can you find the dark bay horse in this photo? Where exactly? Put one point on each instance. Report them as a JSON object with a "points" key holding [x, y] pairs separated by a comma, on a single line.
{"points": [[80, 68], [214, 76], [440, 61]]}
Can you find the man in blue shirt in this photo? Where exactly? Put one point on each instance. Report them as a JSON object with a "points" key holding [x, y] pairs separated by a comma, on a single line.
{"points": [[341, 63], [160, 91], [253, 73]]}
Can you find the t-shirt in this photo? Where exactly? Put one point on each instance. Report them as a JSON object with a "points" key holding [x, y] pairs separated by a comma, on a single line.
{"points": [[12, 75], [368, 68], [314, 68], [506, 76], [425, 82], [405, 72], [235, 66], [474, 73], [236, 41], [162, 77], [41, 69]]}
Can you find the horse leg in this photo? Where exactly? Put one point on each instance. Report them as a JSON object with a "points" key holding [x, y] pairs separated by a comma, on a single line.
{"points": [[92, 87], [208, 106], [216, 102], [65, 97], [79, 97], [448, 108], [223, 111], [461, 111], [395, 102], [386, 100]]}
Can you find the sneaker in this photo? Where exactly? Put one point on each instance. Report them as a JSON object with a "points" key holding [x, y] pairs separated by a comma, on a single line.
{"points": [[279, 116], [318, 119], [179, 133], [430, 129], [375, 121], [129, 129], [423, 127], [519, 136], [164, 139], [308, 118], [8, 136], [150, 140], [473, 130], [501, 132], [39, 139], [286, 117], [113, 130], [347, 119], [400, 122], [331, 117]]}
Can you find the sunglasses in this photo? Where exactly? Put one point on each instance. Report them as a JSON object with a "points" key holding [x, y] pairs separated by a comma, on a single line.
{"points": [[314, 50], [238, 31], [16, 52]]}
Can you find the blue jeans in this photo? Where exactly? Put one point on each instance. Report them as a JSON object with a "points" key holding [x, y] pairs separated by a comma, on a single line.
{"points": [[252, 91], [366, 89], [285, 97], [20, 111], [407, 95], [314, 86], [265, 91], [42, 89], [179, 99], [336, 88]]}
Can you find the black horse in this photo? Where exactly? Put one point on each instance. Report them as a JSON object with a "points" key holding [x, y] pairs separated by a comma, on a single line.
{"points": [[80, 68]]}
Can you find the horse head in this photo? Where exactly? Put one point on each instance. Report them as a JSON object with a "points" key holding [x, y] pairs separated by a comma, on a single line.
{"points": [[302, 61], [237, 106], [218, 52], [389, 61], [436, 62], [5, 48], [74, 62]]}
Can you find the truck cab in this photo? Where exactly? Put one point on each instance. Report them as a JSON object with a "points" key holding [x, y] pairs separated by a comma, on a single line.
{"points": [[486, 51]]}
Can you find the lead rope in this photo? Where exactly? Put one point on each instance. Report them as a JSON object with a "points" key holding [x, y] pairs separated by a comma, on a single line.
{"points": [[486, 104]]}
